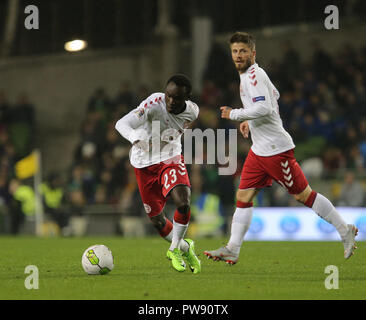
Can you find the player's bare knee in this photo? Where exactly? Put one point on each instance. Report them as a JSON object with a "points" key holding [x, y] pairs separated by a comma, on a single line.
{"points": [[181, 196], [246, 195], [241, 196], [184, 208], [158, 222], [303, 196], [299, 198]]}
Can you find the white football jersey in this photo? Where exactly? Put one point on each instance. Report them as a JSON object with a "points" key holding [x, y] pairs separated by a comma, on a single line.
{"points": [[158, 130], [260, 107]]}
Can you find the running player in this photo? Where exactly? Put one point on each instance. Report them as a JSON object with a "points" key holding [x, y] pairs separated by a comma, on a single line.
{"points": [[271, 156], [154, 129]]}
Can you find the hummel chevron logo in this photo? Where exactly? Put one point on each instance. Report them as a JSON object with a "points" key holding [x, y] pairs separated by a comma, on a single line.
{"points": [[254, 83], [281, 183], [289, 184], [287, 175], [252, 77], [284, 164]]}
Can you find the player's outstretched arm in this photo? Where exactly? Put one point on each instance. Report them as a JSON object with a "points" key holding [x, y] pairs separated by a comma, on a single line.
{"points": [[244, 126], [256, 111]]}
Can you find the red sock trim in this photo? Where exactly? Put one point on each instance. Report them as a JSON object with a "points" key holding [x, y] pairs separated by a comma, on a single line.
{"points": [[167, 228], [240, 204], [310, 201], [181, 217]]}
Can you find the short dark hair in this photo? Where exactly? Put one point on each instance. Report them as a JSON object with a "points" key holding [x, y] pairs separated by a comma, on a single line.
{"points": [[243, 37], [181, 80]]}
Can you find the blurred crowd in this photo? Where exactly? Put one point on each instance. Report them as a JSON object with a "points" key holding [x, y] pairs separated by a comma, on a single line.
{"points": [[100, 172], [17, 121], [322, 105]]}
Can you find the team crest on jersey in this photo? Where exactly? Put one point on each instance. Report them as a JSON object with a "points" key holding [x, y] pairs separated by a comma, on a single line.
{"points": [[140, 112]]}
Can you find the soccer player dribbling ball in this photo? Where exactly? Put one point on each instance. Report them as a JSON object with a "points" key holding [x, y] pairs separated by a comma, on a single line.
{"points": [[155, 128], [271, 156]]}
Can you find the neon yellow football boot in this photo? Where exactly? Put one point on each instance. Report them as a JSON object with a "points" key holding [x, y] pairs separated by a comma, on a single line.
{"points": [[177, 260], [191, 257]]}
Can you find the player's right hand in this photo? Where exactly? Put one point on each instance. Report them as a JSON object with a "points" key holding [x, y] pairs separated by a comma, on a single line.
{"points": [[244, 129], [225, 112]]}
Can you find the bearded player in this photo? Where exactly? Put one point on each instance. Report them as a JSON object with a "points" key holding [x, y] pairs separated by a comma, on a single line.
{"points": [[271, 156], [154, 129]]}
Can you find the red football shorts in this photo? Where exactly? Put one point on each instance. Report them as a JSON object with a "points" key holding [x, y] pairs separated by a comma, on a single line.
{"points": [[259, 172], [156, 181]]}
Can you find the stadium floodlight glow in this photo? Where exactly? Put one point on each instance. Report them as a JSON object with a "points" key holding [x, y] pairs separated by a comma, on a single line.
{"points": [[75, 45]]}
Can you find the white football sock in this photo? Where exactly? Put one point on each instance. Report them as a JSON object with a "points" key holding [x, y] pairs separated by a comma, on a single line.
{"points": [[183, 245], [325, 209], [179, 230], [239, 226]]}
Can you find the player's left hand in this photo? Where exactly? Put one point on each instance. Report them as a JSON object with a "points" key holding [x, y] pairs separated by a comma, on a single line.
{"points": [[225, 112], [244, 129]]}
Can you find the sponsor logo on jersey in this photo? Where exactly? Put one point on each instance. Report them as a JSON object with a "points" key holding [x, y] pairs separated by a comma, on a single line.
{"points": [[140, 112], [260, 98]]}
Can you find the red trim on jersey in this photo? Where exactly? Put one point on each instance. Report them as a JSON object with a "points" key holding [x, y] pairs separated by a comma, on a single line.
{"points": [[310, 201], [166, 229], [240, 204], [181, 217]]}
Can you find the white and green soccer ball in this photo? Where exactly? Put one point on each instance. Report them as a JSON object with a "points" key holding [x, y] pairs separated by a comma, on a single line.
{"points": [[97, 259]]}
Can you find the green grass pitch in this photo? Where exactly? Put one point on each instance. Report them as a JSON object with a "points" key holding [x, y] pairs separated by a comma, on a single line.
{"points": [[266, 270]]}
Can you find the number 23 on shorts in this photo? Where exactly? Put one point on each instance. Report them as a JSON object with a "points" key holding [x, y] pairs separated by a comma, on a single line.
{"points": [[174, 176]]}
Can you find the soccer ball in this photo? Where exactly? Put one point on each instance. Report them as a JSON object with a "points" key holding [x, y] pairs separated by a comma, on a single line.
{"points": [[97, 259]]}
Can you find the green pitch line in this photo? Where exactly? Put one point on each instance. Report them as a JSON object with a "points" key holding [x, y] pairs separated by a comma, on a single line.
{"points": [[266, 270]]}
